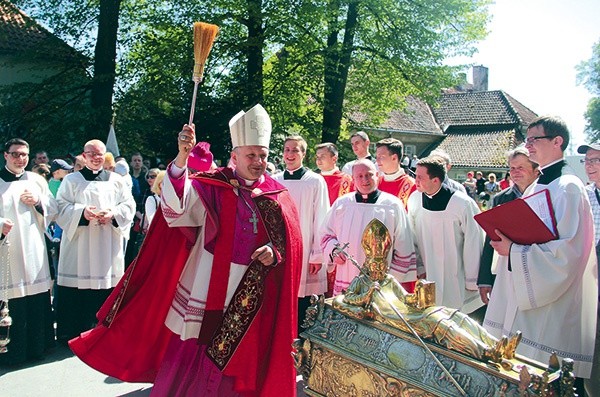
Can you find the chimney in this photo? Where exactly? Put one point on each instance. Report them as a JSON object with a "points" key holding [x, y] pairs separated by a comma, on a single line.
{"points": [[480, 78]]}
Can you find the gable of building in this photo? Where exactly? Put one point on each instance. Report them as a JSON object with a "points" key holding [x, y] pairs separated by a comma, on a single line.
{"points": [[22, 35]]}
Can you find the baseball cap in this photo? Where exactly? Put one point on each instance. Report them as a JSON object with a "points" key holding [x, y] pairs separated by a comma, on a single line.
{"points": [[60, 164], [584, 148]]}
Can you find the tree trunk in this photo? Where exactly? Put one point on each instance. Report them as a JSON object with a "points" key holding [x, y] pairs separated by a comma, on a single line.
{"points": [[254, 66], [337, 63], [104, 69]]}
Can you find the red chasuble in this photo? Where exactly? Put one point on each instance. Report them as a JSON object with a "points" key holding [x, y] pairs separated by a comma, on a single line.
{"points": [[338, 184], [401, 188], [131, 338]]}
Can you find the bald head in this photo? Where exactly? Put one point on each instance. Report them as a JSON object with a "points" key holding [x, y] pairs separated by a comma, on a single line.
{"points": [[365, 177], [93, 152]]}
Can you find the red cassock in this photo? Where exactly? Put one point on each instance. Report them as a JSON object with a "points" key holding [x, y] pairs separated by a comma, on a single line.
{"points": [[338, 184], [131, 339], [402, 188]]}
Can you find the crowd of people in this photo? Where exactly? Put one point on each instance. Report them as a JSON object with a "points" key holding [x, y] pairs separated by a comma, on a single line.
{"points": [[83, 210], [249, 244]]}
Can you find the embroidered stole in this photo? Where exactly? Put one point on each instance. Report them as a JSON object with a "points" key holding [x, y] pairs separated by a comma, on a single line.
{"points": [[248, 297], [219, 275]]}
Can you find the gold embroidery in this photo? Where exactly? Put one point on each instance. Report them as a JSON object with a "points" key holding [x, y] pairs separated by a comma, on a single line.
{"points": [[112, 313], [248, 297], [270, 212], [240, 313]]}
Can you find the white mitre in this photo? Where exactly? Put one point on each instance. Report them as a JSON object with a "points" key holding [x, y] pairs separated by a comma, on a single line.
{"points": [[251, 128]]}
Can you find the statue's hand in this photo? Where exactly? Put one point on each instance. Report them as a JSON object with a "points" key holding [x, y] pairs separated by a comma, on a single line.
{"points": [[411, 300], [374, 287]]}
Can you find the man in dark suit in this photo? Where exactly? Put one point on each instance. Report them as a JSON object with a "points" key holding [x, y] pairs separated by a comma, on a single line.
{"points": [[525, 172]]}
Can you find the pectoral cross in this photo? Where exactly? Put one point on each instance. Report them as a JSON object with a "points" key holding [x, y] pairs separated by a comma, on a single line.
{"points": [[254, 221]]}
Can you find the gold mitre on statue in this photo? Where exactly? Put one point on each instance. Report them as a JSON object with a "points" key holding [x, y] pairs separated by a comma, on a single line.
{"points": [[376, 242], [251, 128]]}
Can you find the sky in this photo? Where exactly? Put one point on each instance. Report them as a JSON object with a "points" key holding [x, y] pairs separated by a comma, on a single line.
{"points": [[532, 50]]}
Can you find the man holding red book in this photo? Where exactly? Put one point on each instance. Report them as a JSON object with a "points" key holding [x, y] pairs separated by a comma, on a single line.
{"points": [[549, 290]]}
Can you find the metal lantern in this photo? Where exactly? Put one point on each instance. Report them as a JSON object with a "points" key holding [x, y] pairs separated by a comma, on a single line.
{"points": [[5, 319], [5, 323]]}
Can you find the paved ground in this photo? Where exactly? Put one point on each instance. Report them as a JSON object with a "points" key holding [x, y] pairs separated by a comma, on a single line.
{"points": [[61, 374]]}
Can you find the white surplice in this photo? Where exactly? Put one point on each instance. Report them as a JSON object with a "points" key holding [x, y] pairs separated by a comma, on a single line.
{"points": [[187, 209], [449, 244], [346, 222], [551, 293], [92, 256], [29, 271], [312, 201]]}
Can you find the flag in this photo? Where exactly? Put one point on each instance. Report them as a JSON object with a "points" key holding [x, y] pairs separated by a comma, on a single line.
{"points": [[111, 143]]}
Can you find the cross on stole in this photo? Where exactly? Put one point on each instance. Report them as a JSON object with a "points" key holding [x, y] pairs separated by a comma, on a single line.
{"points": [[254, 221]]}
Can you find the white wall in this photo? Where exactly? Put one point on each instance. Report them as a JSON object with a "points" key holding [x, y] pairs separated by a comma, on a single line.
{"points": [[575, 163]]}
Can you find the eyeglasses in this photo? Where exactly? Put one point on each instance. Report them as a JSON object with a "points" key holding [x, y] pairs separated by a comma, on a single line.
{"points": [[531, 140], [94, 154], [151, 177], [17, 155], [590, 161]]}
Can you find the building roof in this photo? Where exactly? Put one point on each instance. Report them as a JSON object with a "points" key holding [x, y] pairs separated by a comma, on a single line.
{"points": [[415, 117], [480, 149], [20, 34], [485, 108], [527, 115]]}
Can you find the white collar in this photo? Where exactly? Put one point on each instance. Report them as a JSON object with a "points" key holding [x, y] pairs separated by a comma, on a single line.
{"points": [[94, 172], [292, 171], [551, 164], [250, 182], [434, 193], [330, 172], [394, 176], [17, 175]]}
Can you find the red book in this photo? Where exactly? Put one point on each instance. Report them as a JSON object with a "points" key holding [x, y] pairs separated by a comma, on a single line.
{"points": [[519, 222]]}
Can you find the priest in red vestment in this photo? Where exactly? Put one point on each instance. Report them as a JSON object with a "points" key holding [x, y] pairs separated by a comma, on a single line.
{"points": [[338, 184], [393, 179], [209, 306]]}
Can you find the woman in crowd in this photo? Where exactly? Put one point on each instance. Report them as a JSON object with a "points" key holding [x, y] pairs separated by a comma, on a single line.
{"points": [[155, 178]]}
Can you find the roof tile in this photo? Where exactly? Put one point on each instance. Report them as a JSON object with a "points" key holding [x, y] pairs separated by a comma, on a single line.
{"points": [[475, 108], [485, 149], [415, 117], [20, 33]]}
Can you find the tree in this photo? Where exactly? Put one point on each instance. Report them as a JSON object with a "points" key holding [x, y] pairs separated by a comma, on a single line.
{"points": [[313, 64], [367, 55], [105, 54], [71, 20], [44, 105], [589, 75]]}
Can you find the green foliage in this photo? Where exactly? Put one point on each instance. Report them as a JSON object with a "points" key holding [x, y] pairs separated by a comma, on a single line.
{"points": [[398, 49], [588, 74], [47, 111], [592, 115]]}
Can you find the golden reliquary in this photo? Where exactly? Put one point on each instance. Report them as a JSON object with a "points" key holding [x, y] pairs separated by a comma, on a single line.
{"points": [[379, 340]]}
